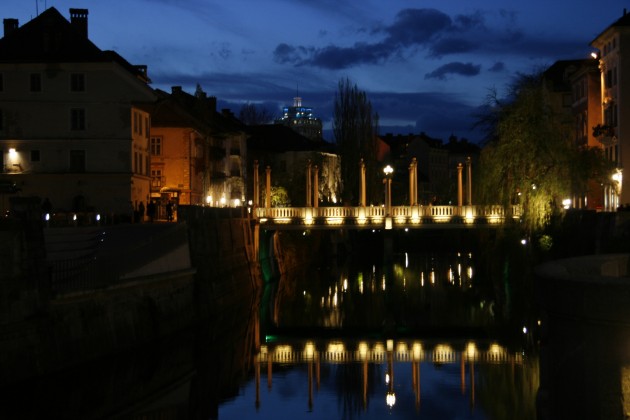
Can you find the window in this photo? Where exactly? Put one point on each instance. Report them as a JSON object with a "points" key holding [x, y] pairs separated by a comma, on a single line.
{"points": [[146, 127], [77, 119], [77, 160], [135, 162], [36, 82], [156, 146], [156, 178], [135, 122], [35, 156], [77, 82]]}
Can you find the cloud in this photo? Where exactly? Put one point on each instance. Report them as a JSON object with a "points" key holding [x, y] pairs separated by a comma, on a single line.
{"points": [[464, 69], [411, 28], [497, 67], [416, 27], [448, 46]]}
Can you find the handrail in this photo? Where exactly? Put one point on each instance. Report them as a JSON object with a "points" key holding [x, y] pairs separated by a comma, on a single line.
{"points": [[399, 215]]}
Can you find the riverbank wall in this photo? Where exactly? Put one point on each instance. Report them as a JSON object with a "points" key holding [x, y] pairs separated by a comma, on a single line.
{"points": [[79, 294]]}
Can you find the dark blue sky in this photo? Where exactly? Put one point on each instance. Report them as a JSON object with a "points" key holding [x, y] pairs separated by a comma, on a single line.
{"points": [[425, 64]]}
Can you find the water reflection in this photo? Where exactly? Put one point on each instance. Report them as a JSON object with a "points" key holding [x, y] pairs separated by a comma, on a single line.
{"points": [[416, 291], [397, 378]]}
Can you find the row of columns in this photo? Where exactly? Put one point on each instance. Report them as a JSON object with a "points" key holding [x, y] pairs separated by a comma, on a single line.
{"points": [[312, 184]]}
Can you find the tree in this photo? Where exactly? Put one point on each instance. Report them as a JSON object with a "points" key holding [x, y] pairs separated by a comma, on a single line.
{"points": [[252, 114], [529, 157], [355, 128]]}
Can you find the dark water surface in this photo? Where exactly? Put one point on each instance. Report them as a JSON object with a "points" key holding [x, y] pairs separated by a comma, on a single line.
{"points": [[424, 335]]}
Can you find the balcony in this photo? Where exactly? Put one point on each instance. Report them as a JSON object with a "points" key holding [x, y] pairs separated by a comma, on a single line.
{"points": [[605, 134]]}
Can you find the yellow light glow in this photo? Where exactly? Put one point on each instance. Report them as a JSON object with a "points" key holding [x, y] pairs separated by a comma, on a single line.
{"points": [[309, 350], [363, 350], [334, 220], [336, 348], [471, 351], [416, 351], [390, 345], [12, 153]]}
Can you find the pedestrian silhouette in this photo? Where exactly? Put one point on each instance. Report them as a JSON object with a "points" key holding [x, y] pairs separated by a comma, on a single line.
{"points": [[141, 212], [169, 211], [151, 211]]}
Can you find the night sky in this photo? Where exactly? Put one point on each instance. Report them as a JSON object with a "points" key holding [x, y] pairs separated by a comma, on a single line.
{"points": [[426, 65]]}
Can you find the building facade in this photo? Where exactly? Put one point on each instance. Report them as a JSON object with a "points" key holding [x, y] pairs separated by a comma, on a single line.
{"points": [[586, 111], [301, 119], [197, 154], [614, 131], [74, 120]]}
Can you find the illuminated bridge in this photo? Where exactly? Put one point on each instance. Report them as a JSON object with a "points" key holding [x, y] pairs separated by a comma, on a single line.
{"points": [[394, 217]]}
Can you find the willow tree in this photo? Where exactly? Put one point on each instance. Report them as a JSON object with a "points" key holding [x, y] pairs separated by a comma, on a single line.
{"points": [[529, 158], [355, 128]]}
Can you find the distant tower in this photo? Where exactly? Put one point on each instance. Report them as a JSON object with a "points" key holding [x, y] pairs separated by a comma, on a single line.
{"points": [[301, 120]]}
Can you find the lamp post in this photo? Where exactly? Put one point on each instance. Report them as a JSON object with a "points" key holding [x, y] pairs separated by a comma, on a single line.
{"points": [[388, 170]]}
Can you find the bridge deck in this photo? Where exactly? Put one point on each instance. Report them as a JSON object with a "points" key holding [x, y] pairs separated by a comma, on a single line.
{"points": [[379, 218]]}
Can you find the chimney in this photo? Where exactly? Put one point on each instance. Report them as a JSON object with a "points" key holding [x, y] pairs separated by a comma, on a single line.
{"points": [[79, 20], [176, 90], [10, 25]]}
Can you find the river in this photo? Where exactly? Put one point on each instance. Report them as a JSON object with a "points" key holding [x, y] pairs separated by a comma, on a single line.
{"points": [[446, 330]]}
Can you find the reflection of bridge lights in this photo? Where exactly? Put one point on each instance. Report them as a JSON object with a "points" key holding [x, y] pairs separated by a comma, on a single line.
{"points": [[345, 285], [471, 351], [363, 350], [495, 350], [390, 399], [309, 350], [336, 348], [387, 378], [443, 353], [416, 351]]}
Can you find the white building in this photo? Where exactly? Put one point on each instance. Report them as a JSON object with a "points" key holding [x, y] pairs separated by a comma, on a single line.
{"points": [[614, 132], [74, 120]]}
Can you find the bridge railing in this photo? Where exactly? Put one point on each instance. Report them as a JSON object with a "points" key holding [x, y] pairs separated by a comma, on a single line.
{"points": [[399, 214]]}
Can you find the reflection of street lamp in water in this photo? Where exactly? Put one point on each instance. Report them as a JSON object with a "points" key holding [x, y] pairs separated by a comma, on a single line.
{"points": [[390, 397]]}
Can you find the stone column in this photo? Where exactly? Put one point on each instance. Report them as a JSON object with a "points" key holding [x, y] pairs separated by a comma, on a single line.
{"points": [[460, 195], [256, 185], [362, 201], [268, 188], [469, 180], [316, 187], [308, 184]]}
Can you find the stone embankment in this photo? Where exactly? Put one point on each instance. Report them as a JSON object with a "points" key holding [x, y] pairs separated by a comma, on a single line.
{"points": [[71, 295]]}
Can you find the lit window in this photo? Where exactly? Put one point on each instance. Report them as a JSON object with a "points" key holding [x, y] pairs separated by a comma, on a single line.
{"points": [[156, 146]]}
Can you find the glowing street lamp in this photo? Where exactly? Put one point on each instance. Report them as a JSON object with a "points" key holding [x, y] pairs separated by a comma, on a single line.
{"points": [[388, 171]]}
